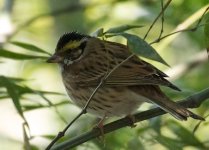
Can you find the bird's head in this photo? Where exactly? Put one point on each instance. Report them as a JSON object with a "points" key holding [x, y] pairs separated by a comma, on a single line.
{"points": [[69, 49]]}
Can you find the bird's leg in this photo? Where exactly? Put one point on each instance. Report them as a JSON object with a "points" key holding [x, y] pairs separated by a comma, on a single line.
{"points": [[132, 119], [100, 126]]}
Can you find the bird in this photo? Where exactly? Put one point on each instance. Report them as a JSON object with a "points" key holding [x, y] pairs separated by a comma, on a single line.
{"points": [[85, 60]]}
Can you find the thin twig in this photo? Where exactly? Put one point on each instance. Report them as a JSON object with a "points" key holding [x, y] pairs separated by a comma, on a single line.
{"points": [[185, 24], [162, 21], [193, 101], [175, 32], [62, 133], [184, 30], [159, 15], [198, 23]]}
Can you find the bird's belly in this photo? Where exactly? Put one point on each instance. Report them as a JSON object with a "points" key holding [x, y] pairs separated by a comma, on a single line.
{"points": [[108, 101]]}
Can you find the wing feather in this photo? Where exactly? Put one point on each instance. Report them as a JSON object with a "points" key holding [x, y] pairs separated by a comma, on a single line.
{"points": [[135, 71]]}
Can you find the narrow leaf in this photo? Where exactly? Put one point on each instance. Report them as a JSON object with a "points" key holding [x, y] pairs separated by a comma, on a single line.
{"points": [[33, 147], [98, 33], [50, 137], [51, 93], [30, 47], [3, 94], [3, 97], [206, 31], [33, 107], [12, 92], [171, 144], [142, 48], [16, 79], [135, 143], [186, 136], [18, 56], [198, 124], [122, 28], [28, 90], [26, 138], [156, 124]]}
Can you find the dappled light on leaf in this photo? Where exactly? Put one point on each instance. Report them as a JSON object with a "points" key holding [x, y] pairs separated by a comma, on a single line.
{"points": [[142, 48]]}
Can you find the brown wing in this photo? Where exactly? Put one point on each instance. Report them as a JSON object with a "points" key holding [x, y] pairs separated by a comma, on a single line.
{"points": [[133, 72]]}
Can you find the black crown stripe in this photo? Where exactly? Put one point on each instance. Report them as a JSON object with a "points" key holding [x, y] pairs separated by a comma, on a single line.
{"points": [[70, 36]]}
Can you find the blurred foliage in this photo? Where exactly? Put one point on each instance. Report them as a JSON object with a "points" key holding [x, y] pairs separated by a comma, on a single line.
{"points": [[29, 31]]}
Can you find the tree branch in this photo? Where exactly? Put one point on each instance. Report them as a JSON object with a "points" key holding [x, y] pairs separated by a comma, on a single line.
{"points": [[193, 101]]}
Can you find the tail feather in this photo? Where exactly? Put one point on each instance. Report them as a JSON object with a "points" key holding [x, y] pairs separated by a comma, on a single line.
{"points": [[176, 110], [174, 87], [156, 96]]}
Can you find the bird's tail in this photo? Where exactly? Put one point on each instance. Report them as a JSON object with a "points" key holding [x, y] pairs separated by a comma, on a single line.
{"points": [[175, 109], [156, 96]]}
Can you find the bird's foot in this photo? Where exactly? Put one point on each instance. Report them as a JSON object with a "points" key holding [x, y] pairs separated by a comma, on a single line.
{"points": [[100, 126], [132, 120]]}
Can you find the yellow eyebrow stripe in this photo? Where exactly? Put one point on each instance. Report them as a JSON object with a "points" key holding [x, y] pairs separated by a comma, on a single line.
{"points": [[71, 45]]}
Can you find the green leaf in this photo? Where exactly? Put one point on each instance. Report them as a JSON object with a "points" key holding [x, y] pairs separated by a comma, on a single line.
{"points": [[186, 136], [27, 145], [142, 48], [135, 143], [16, 79], [13, 93], [50, 137], [28, 90], [33, 147], [30, 47], [39, 106], [171, 144], [98, 33], [3, 97], [206, 31], [32, 107], [51, 93], [206, 28], [156, 124], [3, 94], [122, 28], [18, 56], [197, 126]]}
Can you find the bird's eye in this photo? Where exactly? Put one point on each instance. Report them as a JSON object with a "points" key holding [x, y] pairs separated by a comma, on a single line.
{"points": [[72, 55], [75, 54]]}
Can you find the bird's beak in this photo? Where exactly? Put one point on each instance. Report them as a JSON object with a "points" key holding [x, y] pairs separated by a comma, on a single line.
{"points": [[54, 59]]}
